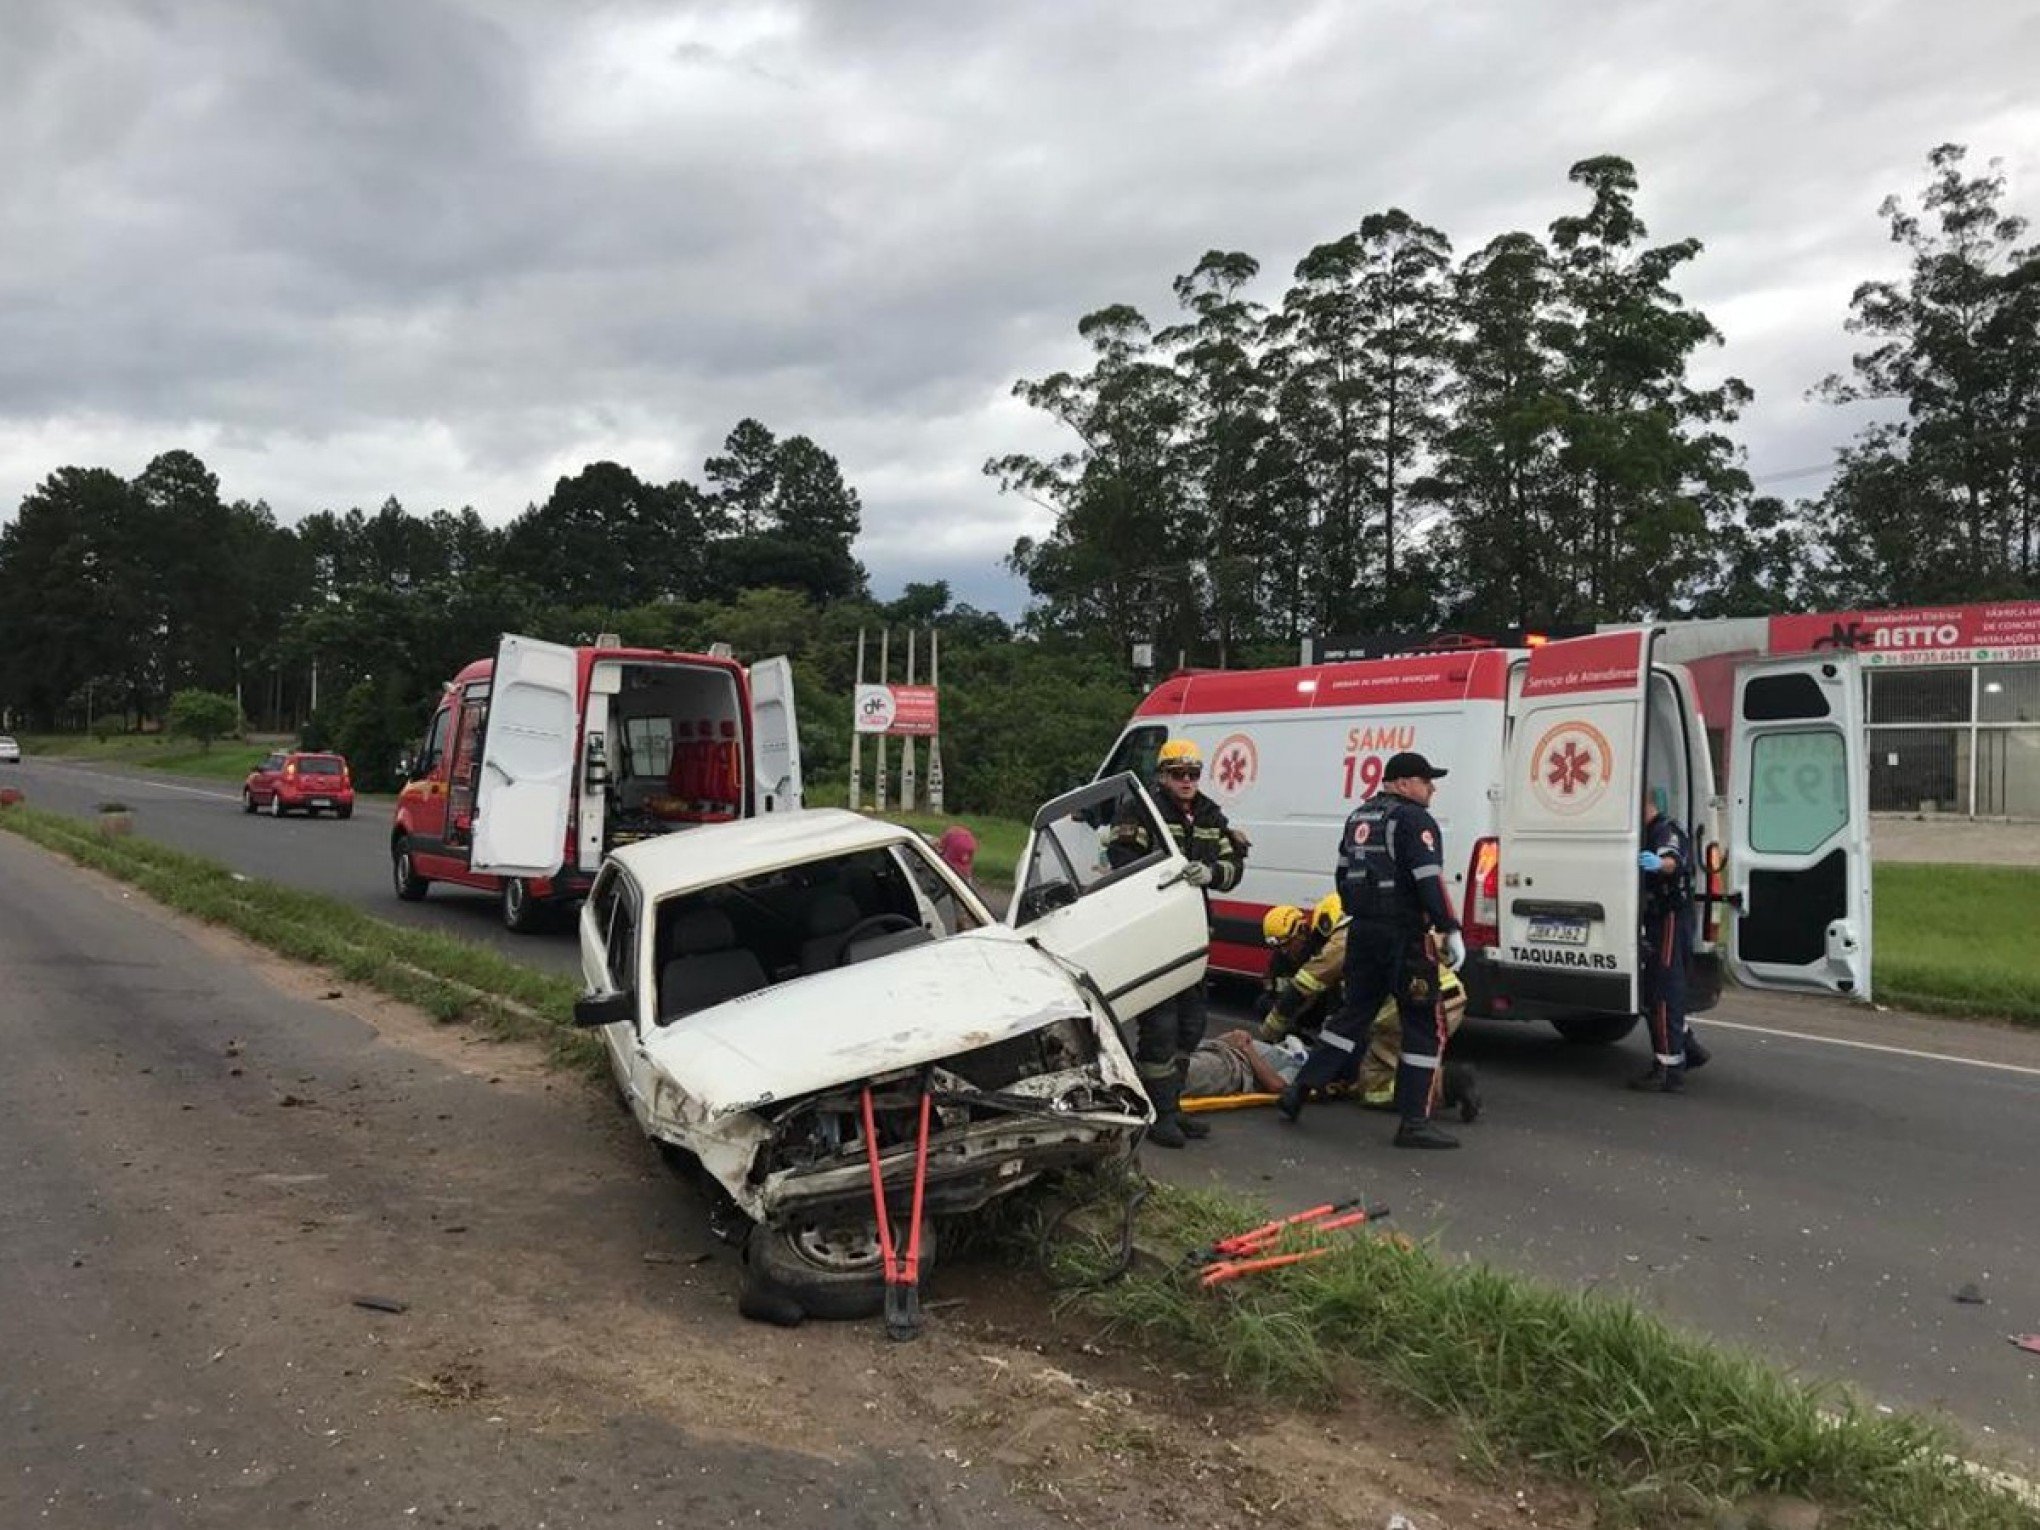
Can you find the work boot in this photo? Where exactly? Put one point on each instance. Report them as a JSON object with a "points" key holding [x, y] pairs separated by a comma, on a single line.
{"points": [[1660, 1080], [1165, 1132], [1461, 1091], [1422, 1134], [1186, 1123], [1289, 1103], [1697, 1056]]}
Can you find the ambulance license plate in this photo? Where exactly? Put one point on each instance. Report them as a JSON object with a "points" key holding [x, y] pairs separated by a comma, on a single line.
{"points": [[1558, 932]]}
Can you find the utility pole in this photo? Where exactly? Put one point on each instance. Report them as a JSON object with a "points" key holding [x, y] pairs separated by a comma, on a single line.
{"points": [[856, 738], [884, 677], [935, 741], [907, 751]]}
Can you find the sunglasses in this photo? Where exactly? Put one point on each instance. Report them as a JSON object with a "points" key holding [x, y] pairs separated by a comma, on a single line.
{"points": [[1183, 772]]}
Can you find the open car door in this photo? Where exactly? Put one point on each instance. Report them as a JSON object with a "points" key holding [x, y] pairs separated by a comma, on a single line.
{"points": [[1799, 827], [775, 740], [1138, 929], [1572, 821], [527, 773]]}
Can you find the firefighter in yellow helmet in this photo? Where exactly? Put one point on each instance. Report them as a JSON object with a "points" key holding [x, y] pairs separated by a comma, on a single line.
{"points": [[1316, 946], [1167, 1034]]}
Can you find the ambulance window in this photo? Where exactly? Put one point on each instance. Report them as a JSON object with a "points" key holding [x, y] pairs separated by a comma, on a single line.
{"points": [[1136, 752], [1799, 794], [1779, 698], [435, 742]]}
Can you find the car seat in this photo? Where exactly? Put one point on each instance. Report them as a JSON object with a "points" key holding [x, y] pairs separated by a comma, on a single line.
{"points": [[828, 916], [708, 966]]}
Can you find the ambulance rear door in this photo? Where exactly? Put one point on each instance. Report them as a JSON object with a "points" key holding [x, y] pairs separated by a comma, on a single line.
{"points": [[775, 738], [1572, 824], [1798, 875], [527, 772]]}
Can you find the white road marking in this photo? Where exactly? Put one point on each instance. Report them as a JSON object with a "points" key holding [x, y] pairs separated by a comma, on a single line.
{"points": [[1710, 1023], [109, 775]]}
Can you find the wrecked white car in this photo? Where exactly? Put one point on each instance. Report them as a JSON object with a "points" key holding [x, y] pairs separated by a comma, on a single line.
{"points": [[752, 981]]}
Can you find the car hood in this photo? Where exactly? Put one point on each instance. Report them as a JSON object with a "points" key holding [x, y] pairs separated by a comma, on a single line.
{"points": [[915, 1006]]}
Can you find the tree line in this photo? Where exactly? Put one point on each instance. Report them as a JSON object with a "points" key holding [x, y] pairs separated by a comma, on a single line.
{"points": [[1515, 438]]}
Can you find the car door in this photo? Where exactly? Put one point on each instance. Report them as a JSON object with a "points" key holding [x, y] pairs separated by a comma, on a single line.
{"points": [[612, 961], [524, 794], [1572, 822], [1798, 873], [1138, 929], [263, 784], [775, 739]]}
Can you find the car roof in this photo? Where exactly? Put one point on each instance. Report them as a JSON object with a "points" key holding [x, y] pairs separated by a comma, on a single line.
{"points": [[722, 852]]}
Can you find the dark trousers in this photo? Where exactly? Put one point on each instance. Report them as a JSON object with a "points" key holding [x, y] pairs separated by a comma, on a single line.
{"points": [[1381, 960], [1169, 1033], [1667, 942]]}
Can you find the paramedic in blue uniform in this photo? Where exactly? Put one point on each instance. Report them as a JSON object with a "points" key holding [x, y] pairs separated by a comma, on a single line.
{"points": [[1665, 864], [1391, 879]]}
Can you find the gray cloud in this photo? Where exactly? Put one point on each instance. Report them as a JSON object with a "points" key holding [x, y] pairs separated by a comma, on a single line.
{"points": [[450, 251]]}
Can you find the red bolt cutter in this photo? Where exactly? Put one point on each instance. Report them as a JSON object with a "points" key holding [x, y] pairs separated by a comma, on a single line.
{"points": [[1248, 1252], [902, 1272]]}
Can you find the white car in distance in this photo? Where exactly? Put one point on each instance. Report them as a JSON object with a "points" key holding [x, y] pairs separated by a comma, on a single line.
{"points": [[750, 980]]}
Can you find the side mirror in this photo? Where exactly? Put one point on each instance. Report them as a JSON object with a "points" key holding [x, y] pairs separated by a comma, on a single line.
{"points": [[593, 1011]]}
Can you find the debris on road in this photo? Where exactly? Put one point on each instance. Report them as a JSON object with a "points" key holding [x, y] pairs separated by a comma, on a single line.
{"points": [[1968, 1294], [2026, 1341], [382, 1304]]}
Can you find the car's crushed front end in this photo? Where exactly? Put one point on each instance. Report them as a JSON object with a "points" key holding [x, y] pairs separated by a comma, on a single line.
{"points": [[1023, 1068]]}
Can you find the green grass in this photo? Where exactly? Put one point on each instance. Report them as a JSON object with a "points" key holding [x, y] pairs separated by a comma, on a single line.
{"points": [[450, 979], [1958, 939], [228, 760], [1587, 1387]]}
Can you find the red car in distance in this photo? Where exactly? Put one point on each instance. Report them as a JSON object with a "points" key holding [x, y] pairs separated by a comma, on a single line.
{"points": [[299, 782]]}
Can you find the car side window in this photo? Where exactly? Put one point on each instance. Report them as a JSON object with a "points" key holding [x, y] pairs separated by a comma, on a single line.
{"points": [[435, 741], [622, 942], [936, 895], [1085, 840]]}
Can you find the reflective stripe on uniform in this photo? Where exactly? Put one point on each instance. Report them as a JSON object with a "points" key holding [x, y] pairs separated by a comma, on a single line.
{"points": [[1306, 983], [1422, 872], [1419, 1060], [1667, 1061], [1337, 1042]]}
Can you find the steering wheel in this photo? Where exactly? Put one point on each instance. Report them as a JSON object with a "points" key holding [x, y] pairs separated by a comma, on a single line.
{"points": [[871, 924]]}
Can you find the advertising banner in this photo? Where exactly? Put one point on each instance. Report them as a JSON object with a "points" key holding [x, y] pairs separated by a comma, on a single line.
{"points": [[1981, 634], [908, 710]]}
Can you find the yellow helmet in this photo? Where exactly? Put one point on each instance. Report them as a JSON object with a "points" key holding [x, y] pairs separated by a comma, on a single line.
{"points": [[1330, 909], [1176, 754], [1282, 924]]}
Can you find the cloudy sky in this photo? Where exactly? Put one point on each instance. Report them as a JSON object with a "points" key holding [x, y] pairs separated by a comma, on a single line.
{"points": [[451, 249]]}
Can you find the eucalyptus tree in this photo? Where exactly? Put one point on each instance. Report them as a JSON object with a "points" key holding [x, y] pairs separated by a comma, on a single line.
{"points": [[1653, 476], [1114, 566], [1944, 500]]}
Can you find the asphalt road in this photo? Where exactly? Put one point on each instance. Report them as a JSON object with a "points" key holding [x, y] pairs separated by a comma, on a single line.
{"points": [[1819, 1195]]}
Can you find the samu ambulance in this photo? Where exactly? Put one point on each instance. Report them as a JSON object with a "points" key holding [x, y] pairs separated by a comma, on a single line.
{"points": [[540, 761], [1550, 750]]}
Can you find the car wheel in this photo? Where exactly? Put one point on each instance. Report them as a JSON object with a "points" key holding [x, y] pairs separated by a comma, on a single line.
{"points": [[247, 800], [522, 913], [346, 812], [276, 805], [831, 1266], [1594, 1030], [410, 886]]}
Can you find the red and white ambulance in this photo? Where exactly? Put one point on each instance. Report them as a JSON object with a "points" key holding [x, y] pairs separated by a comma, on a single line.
{"points": [[1550, 751], [541, 760]]}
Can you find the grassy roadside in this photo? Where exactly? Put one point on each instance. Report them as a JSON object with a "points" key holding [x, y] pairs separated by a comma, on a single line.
{"points": [[449, 979], [227, 760], [1587, 1388], [1957, 939]]}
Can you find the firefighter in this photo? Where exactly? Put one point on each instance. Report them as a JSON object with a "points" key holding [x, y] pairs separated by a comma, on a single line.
{"points": [[1391, 879], [1313, 993], [1665, 864], [1167, 1034], [1305, 966]]}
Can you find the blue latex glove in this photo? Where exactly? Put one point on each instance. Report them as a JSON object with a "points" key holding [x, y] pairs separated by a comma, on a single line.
{"points": [[1649, 860]]}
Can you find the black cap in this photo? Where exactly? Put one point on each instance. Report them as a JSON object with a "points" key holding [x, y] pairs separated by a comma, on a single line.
{"points": [[1401, 767]]}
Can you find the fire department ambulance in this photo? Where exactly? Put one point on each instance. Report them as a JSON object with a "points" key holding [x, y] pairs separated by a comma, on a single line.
{"points": [[1550, 751], [541, 760]]}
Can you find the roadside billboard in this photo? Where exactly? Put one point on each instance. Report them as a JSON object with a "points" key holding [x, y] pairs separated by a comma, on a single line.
{"points": [[901, 710]]}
